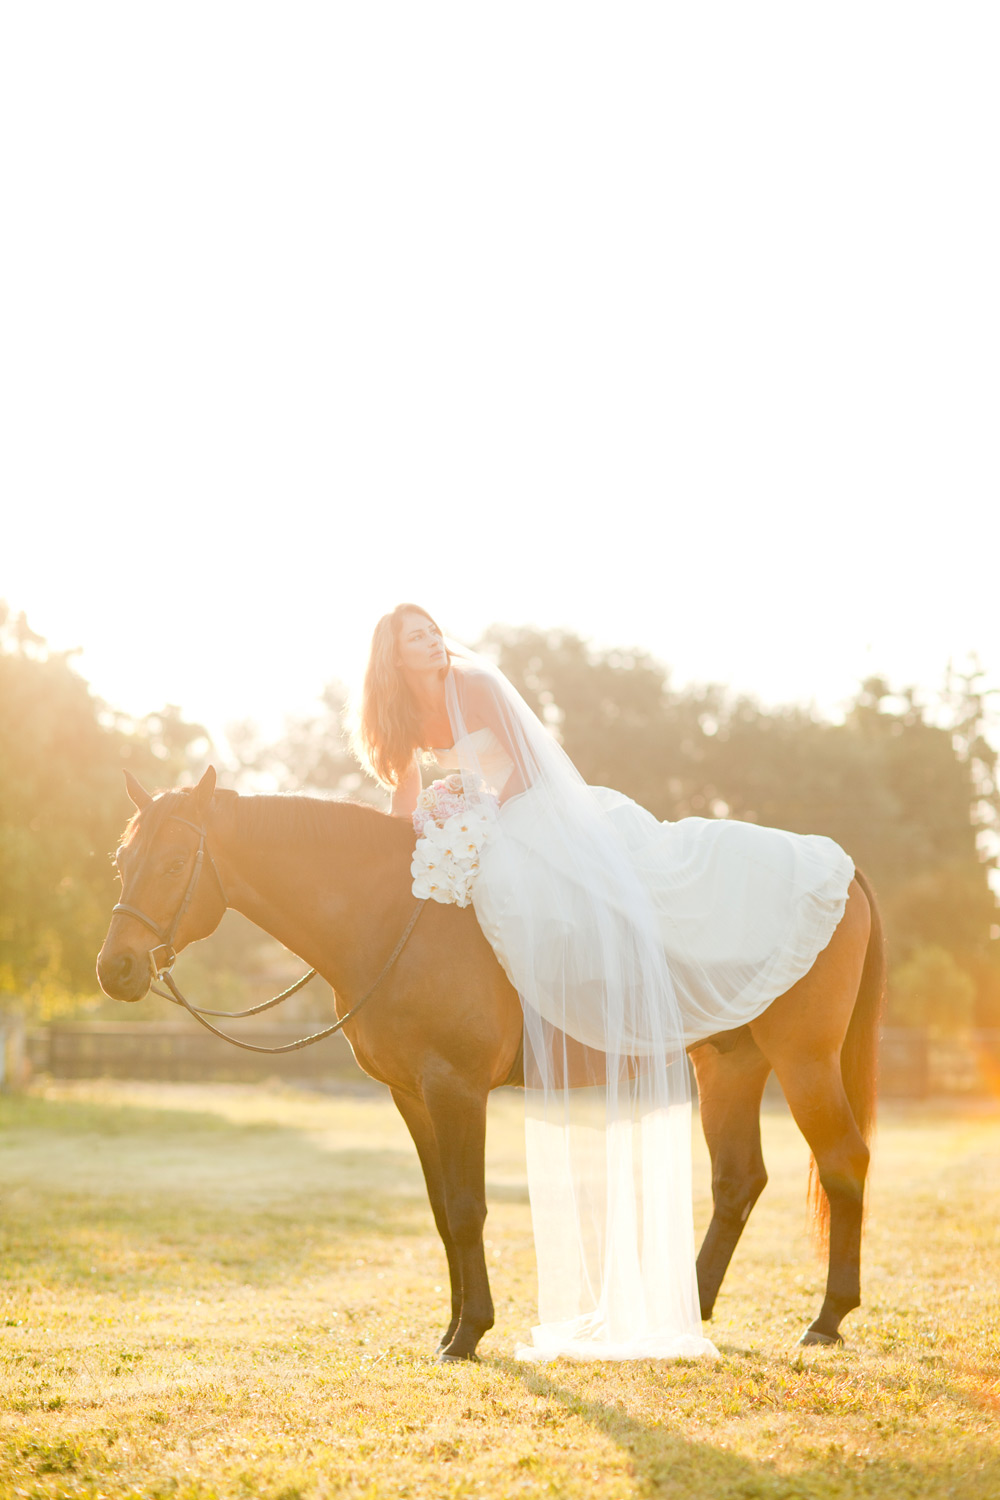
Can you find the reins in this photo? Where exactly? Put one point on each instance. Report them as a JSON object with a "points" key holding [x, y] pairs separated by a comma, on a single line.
{"points": [[166, 934], [317, 1036]]}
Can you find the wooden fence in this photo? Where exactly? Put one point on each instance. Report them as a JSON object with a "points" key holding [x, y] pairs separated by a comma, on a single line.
{"points": [[184, 1051], [913, 1065], [916, 1065]]}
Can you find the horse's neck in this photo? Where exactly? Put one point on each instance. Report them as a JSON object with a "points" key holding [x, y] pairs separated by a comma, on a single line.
{"points": [[325, 894]]}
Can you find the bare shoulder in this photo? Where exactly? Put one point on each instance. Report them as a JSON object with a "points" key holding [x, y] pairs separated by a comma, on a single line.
{"points": [[467, 669], [473, 679], [480, 696]]}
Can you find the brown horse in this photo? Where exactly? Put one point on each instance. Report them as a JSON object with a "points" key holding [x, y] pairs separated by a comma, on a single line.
{"points": [[331, 880]]}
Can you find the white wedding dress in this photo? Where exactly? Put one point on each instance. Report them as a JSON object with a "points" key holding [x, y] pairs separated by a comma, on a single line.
{"points": [[627, 939], [742, 911]]}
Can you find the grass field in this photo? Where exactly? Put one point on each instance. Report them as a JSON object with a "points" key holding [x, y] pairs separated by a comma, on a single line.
{"points": [[235, 1291]]}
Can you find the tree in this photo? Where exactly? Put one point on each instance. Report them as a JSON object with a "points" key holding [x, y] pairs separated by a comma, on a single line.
{"points": [[313, 754], [62, 809], [932, 990]]}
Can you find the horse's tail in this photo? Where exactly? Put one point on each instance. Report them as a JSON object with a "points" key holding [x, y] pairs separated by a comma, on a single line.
{"points": [[858, 1057]]}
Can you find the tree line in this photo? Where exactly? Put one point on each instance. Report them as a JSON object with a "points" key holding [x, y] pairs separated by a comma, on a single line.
{"points": [[909, 788], [62, 809]]}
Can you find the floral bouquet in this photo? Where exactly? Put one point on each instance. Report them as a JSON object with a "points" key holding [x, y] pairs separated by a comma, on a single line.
{"points": [[451, 833]]}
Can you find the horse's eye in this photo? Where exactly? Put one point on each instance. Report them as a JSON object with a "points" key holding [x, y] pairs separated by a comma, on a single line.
{"points": [[176, 866]]}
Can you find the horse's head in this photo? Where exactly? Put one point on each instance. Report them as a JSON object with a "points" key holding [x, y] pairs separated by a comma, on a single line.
{"points": [[171, 891]]}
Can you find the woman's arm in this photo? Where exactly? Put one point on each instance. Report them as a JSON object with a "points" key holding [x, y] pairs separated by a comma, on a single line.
{"points": [[403, 803]]}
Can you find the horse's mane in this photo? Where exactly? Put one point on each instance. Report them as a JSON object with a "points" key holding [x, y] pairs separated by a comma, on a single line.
{"points": [[284, 814], [268, 816]]}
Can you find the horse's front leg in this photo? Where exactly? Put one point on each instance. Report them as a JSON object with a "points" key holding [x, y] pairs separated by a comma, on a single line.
{"points": [[418, 1122], [457, 1110]]}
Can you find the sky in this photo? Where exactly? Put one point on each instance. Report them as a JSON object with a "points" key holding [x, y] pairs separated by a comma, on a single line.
{"points": [[673, 325]]}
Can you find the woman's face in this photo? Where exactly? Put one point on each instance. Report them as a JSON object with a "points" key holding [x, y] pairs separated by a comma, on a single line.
{"points": [[420, 647]]}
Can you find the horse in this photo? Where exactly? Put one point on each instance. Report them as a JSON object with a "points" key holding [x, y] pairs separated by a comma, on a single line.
{"points": [[331, 881]]}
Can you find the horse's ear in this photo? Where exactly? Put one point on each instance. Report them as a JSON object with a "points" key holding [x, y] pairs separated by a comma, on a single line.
{"points": [[138, 795], [202, 794]]}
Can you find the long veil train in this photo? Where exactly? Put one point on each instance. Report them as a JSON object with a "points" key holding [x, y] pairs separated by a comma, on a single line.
{"points": [[608, 1109]]}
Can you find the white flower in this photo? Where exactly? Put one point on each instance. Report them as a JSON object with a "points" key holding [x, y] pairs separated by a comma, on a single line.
{"points": [[425, 888], [446, 858], [452, 827]]}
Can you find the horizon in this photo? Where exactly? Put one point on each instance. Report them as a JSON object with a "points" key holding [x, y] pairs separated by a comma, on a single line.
{"points": [[271, 718]]}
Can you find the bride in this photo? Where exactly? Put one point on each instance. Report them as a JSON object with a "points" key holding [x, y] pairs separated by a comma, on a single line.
{"points": [[627, 939]]}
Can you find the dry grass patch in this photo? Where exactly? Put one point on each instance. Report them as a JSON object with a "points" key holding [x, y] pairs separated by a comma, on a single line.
{"points": [[229, 1292]]}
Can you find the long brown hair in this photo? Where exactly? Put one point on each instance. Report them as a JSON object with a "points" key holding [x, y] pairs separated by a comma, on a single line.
{"points": [[388, 730]]}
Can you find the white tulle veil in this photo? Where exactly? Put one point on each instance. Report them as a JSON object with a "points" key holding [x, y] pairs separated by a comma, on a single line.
{"points": [[608, 1111]]}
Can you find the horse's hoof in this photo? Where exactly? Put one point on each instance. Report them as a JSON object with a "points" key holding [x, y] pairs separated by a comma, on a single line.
{"points": [[457, 1359], [827, 1340]]}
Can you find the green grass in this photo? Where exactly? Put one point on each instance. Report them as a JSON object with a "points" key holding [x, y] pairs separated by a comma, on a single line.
{"points": [[235, 1291]]}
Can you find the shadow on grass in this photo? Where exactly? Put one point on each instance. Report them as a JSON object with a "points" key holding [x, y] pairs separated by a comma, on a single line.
{"points": [[666, 1462]]}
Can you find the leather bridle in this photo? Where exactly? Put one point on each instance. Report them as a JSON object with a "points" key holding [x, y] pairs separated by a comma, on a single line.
{"points": [[167, 933]]}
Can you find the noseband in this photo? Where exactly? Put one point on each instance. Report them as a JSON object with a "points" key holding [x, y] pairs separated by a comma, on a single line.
{"points": [[166, 934]]}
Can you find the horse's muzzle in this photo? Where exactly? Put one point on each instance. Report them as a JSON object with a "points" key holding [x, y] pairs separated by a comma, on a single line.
{"points": [[123, 976]]}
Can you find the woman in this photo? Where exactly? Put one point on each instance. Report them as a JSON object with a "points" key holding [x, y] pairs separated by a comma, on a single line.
{"points": [[627, 939]]}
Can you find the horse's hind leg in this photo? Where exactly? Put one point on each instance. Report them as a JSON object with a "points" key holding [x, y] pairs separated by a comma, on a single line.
{"points": [[816, 1098], [802, 1034], [418, 1122], [730, 1086]]}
